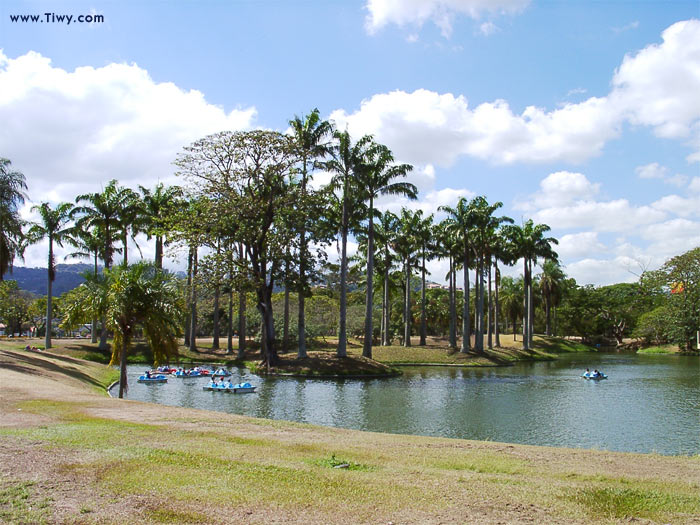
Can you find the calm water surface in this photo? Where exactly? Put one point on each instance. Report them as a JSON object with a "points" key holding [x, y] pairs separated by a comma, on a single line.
{"points": [[648, 404]]}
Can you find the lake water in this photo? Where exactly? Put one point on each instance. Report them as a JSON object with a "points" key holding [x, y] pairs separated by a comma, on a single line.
{"points": [[648, 404]]}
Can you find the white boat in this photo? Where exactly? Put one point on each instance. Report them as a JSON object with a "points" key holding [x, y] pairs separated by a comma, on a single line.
{"points": [[239, 388]]}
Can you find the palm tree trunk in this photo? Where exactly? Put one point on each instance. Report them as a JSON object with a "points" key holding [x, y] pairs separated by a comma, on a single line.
{"points": [[367, 343], [466, 337], [531, 306], [125, 239], [385, 342], [49, 297], [547, 308], [301, 323], [452, 306], [342, 333], [407, 306], [159, 252], [489, 317], [423, 325], [497, 305], [193, 303], [123, 386], [93, 326], [479, 340], [526, 306]]}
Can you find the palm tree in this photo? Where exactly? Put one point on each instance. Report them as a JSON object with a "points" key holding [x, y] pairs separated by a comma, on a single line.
{"points": [[375, 178], [550, 284], [52, 227], [157, 206], [88, 245], [511, 298], [386, 232], [485, 227], [131, 296], [460, 220], [406, 247], [529, 244], [426, 245], [12, 195], [311, 136], [347, 160]]}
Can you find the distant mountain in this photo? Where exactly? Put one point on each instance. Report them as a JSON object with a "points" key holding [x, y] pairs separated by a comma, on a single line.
{"points": [[68, 276]]}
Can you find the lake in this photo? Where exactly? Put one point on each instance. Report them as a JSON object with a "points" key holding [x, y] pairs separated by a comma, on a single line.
{"points": [[648, 404]]}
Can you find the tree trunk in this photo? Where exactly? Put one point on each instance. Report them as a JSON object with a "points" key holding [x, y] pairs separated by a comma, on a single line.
{"points": [[159, 252], [452, 306], [229, 327], [531, 308], [497, 305], [489, 317], [547, 308], [241, 310], [466, 336], [49, 298], [301, 322], [217, 318], [407, 306], [385, 342], [93, 328], [125, 239], [268, 323], [369, 299], [479, 337], [123, 386], [188, 323], [526, 307], [193, 303], [285, 326], [423, 325], [342, 334]]}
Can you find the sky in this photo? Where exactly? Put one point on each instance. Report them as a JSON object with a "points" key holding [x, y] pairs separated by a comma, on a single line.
{"points": [[583, 115]]}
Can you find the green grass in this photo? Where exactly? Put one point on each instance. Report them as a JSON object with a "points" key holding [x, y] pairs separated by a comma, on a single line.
{"points": [[655, 350], [622, 502], [19, 505]]}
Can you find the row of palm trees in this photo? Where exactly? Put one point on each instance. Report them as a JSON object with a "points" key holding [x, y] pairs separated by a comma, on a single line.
{"points": [[472, 237]]}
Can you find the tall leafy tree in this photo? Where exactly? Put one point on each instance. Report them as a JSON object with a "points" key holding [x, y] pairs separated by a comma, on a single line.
{"points": [[54, 228], [386, 233], [311, 137], [13, 186], [347, 159], [87, 244], [376, 177], [426, 247]]}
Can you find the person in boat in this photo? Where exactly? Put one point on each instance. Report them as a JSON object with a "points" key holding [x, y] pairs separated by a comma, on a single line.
{"points": [[587, 373], [147, 373], [596, 373]]}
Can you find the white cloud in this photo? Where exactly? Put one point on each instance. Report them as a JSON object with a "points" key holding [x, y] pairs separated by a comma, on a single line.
{"points": [[429, 201], [655, 87], [574, 245], [631, 25], [95, 124], [488, 28], [694, 185], [560, 189], [659, 86], [602, 272], [677, 205], [441, 12], [425, 127], [651, 171]]}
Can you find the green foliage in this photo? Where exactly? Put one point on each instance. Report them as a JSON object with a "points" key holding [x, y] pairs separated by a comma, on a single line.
{"points": [[652, 327], [15, 307]]}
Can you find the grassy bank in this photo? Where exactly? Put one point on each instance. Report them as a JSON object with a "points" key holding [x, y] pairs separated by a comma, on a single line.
{"points": [[100, 460]]}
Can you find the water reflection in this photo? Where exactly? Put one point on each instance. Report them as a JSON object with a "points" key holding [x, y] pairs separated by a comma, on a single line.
{"points": [[648, 404]]}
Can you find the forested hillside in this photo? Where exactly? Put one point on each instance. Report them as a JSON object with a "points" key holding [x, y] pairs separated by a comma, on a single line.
{"points": [[68, 276]]}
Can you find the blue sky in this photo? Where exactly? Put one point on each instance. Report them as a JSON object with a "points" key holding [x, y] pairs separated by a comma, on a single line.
{"points": [[583, 115]]}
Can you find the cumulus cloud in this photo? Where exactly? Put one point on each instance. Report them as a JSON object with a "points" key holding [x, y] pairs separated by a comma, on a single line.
{"points": [[488, 28], [95, 124], [92, 125], [560, 189], [575, 245], [659, 85], [655, 87], [441, 12]]}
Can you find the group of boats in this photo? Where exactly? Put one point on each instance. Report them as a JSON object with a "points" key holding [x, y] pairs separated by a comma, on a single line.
{"points": [[163, 373]]}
